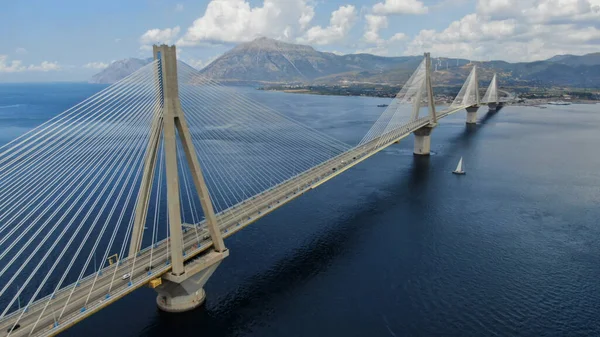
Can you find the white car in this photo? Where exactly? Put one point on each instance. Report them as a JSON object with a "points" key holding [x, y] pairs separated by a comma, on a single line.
{"points": [[126, 276]]}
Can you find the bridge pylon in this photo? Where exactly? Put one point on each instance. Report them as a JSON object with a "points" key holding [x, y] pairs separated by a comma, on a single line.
{"points": [[472, 110], [491, 95], [182, 288], [422, 146]]}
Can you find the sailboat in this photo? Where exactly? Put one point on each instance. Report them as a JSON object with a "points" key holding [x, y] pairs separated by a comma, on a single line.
{"points": [[459, 168]]}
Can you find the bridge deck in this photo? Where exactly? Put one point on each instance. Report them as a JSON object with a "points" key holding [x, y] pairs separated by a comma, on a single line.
{"points": [[100, 290]]}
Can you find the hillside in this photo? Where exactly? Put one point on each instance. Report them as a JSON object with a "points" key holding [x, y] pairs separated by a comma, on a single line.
{"points": [[268, 61], [119, 70]]}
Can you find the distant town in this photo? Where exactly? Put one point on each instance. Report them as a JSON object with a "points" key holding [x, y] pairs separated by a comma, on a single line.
{"points": [[445, 94]]}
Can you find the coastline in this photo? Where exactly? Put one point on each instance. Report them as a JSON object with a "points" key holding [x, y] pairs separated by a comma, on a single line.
{"points": [[538, 102]]}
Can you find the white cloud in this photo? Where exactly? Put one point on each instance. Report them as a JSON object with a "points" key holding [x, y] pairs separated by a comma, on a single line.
{"points": [[21, 51], [374, 23], [179, 7], [12, 67], [96, 65], [234, 21], [15, 66], [340, 24], [517, 30], [390, 7], [542, 11], [399, 37], [44, 66], [159, 36], [199, 63]]}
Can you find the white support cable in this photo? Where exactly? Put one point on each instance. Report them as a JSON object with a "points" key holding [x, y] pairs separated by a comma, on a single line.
{"points": [[100, 235], [491, 93], [227, 136], [243, 110], [187, 188], [91, 228], [39, 205], [227, 170], [68, 226], [158, 131], [161, 167], [127, 165], [274, 140], [404, 96], [140, 166], [239, 115], [74, 133], [250, 102], [14, 150], [48, 124], [261, 120], [63, 192], [67, 152], [55, 158], [192, 121], [233, 177], [88, 174], [466, 96], [120, 218]]}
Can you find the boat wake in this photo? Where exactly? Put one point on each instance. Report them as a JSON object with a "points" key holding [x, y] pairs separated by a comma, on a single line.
{"points": [[10, 106]]}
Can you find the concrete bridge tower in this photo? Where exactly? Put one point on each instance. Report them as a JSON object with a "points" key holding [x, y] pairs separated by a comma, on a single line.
{"points": [[422, 145], [472, 110], [182, 288]]}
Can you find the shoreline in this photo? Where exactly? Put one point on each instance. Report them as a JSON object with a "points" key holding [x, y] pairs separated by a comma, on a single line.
{"points": [[539, 102]]}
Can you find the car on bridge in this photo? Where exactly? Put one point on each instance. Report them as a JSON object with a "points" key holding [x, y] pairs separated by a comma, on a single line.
{"points": [[13, 328]]}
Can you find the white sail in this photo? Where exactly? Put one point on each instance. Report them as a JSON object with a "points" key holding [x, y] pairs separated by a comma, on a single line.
{"points": [[459, 167]]}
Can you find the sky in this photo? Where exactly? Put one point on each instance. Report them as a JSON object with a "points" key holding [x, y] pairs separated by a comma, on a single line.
{"points": [[70, 40]]}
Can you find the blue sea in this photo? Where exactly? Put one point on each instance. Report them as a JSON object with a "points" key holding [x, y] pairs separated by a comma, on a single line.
{"points": [[397, 246]]}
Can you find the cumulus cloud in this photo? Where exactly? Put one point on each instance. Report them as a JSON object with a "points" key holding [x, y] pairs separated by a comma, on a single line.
{"points": [[542, 11], [21, 51], [15, 66], [389, 7], [234, 21], [95, 65], [340, 24], [399, 37], [179, 7], [159, 36], [517, 30], [12, 67], [374, 23]]}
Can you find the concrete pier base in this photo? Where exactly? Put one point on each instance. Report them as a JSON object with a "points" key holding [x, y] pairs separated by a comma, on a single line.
{"points": [[179, 293], [472, 115], [423, 141], [492, 107]]}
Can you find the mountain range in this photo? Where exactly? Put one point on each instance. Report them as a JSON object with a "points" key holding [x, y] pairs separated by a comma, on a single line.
{"points": [[268, 61]]}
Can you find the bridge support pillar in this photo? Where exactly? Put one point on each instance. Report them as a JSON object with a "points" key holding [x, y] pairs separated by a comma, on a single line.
{"points": [[472, 114], [492, 106], [423, 140], [186, 292]]}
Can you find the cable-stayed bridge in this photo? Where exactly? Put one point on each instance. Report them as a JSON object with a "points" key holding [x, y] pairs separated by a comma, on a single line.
{"points": [[140, 184]]}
